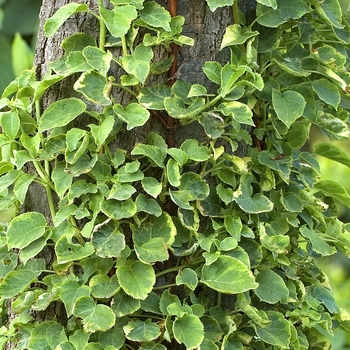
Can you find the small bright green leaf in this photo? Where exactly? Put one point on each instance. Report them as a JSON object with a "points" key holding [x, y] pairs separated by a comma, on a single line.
{"points": [[141, 331], [69, 292], [97, 58], [103, 286], [212, 70], [15, 282], [154, 153], [331, 151], [335, 190], [318, 244], [10, 124], [153, 97], [138, 64], [229, 76], [119, 19], [269, 3], [119, 210], [173, 172], [96, 317], [155, 15], [236, 35], [214, 4], [60, 113], [61, 179], [188, 330], [197, 90], [228, 275], [124, 304], [25, 229], [68, 252], [213, 124], [179, 155], [238, 111], [121, 192], [151, 186], [133, 114], [61, 15], [95, 87], [278, 332], [136, 278], [327, 92], [194, 151], [187, 277], [148, 205], [177, 108], [21, 186], [272, 289], [285, 11], [108, 243], [289, 106]]}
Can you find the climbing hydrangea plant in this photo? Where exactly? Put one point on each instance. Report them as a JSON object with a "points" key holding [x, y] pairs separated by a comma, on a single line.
{"points": [[231, 264]]}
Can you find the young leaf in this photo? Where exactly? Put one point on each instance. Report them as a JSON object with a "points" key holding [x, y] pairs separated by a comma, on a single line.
{"points": [[25, 229], [214, 4], [101, 132], [189, 330], [235, 35], [67, 251], [96, 317], [10, 123], [238, 111], [318, 244], [228, 275], [133, 114], [151, 186], [155, 15], [119, 19], [60, 113], [108, 244], [138, 64], [61, 15], [95, 87], [136, 278], [119, 210], [153, 97], [141, 331], [98, 59], [289, 106]]}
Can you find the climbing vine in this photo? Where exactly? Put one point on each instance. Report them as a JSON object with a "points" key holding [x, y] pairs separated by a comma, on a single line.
{"points": [[168, 244]]}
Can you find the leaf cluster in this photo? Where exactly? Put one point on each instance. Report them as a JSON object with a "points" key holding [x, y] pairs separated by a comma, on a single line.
{"points": [[232, 263]]}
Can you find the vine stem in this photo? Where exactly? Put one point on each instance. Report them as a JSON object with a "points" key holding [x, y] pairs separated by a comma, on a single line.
{"points": [[102, 38]]}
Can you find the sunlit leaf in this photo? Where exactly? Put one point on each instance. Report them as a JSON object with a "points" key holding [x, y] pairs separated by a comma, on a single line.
{"points": [[228, 275], [96, 317], [60, 113]]}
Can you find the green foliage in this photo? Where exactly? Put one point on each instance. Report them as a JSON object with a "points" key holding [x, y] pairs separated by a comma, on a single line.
{"points": [[190, 244]]}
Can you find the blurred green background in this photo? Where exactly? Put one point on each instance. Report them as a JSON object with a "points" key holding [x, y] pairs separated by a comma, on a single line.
{"points": [[18, 30]]}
